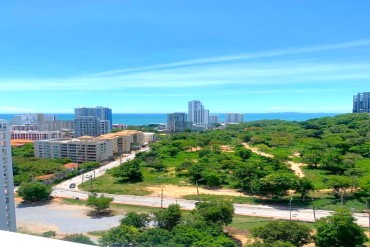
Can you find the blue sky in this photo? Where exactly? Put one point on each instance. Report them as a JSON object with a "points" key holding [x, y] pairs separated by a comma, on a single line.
{"points": [[154, 56]]}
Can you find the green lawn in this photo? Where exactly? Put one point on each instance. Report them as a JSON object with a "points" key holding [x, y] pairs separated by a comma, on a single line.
{"points": [[317, 177]]}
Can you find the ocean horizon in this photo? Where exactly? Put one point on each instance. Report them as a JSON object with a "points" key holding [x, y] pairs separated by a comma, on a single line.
{"points": [[156, 118]]}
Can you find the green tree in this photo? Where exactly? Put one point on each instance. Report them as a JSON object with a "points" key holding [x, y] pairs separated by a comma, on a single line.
{"points": [[100, 203], [216, 212], [128, 172], [169, 217], [286, 231], [78, 238], [136, 220], [34, 191], [124, 235], [303, 187], [277, 184], [340, 185], [339, 230], [213, 179], [155, 237]]}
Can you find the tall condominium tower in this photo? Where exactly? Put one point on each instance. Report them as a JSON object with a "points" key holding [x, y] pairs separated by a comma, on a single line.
{"points": [[7, 206], [361, 102], [197, 114], [214, 119], [234, 118], [177, 122], [93, 121]]}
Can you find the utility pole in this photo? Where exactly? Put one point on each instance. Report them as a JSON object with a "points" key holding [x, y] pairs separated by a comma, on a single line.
{"points": [[368, 212], [162, 199], [94, 173], [313, 207], [290, 208], [82, 176], [91, 185]]}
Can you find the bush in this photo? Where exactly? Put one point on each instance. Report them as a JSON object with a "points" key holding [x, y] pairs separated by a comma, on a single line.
{"points": [[286, 231], [79, 238], [34, 191], [99, 203]]}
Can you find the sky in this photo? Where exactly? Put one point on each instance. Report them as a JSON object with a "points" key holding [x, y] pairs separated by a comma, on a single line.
{"points": [[154, 56]]}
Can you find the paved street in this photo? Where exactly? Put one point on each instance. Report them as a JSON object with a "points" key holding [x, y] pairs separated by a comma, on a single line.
{"points": [[242, 209]]}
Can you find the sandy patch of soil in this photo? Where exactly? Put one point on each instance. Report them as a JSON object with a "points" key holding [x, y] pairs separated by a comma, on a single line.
{"points": [[239, 235], [296, 167], [257, 151], [193, 149], [172, 191], [226, 148], [35, 227]]}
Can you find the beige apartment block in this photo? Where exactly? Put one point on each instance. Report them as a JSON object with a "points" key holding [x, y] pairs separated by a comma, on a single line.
{"points": [[85, 148]]}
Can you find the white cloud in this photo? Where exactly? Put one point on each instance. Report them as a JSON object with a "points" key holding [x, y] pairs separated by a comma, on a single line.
{"points": [[227, 70]]}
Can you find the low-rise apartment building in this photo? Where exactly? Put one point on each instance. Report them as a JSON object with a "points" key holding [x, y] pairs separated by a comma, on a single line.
{"points": [[34, 135], [121, 142], [85, 148]]}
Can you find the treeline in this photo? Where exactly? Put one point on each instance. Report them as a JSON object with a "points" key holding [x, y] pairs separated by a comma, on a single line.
{"points": [[339, 146], [203, 226], [214, 168]]}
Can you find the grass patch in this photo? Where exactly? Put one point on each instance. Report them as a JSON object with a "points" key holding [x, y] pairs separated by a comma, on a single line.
{"points": [[116, 206], [108, 184], [243, 222], [233, 199], [317, 177]]}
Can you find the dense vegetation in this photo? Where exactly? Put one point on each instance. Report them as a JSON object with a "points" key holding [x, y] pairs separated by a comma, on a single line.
{"points": [[202, 227], [335, 151]]}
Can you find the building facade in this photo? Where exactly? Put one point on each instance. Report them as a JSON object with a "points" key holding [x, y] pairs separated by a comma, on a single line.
{"points": [[7, 205], [34, 135], [87, 126], [197, 114], [214, 119], [361, 102], [234, 118], [103, 114], [83, 149], [177, 122]]}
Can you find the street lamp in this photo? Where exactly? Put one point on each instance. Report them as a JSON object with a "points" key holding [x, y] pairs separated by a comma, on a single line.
{"points": [[290, 208], [313, 207]]}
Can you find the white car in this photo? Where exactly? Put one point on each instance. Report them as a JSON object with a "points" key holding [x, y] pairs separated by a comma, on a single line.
{"points": [[88, 176]]}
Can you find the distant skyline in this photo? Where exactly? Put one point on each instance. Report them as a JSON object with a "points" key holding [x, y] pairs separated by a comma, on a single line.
{"points": [[154, 57]]}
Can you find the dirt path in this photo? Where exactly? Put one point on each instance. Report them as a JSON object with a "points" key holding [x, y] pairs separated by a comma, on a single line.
{"points": [[257, 151], [172, 191], [296, 167]]}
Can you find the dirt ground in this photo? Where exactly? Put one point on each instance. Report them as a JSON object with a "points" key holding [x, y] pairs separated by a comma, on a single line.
{"points": [[172, 191], [296, 167]]}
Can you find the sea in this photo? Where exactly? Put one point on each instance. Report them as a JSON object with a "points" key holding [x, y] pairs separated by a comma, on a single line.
{"points": [[157, 118]]}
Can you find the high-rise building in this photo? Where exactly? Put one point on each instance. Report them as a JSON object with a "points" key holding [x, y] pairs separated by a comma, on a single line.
{"points": [[234, 118], [103, 113], [197, 114], [93, 121], [7, 205], [361, 102], [214, 119], [87, 126], [177, 122]]}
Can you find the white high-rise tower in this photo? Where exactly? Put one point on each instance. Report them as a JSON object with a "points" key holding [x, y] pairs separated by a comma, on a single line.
{"points": [[197, 114], [7, 205]]}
